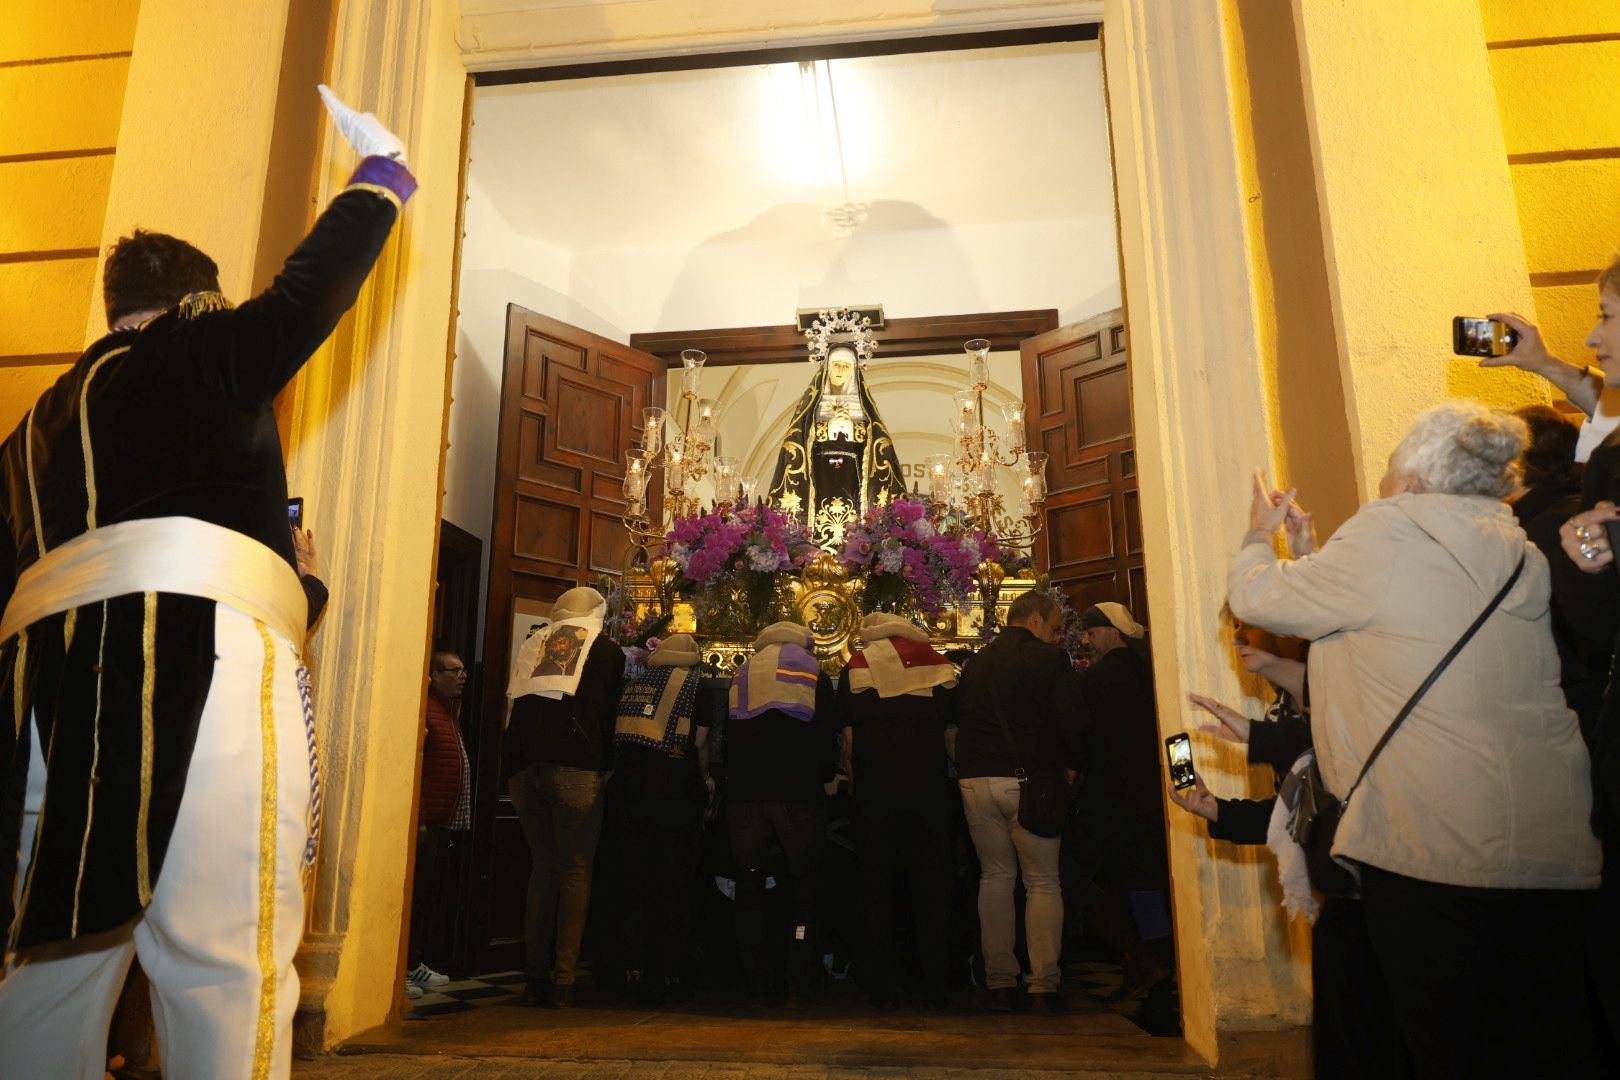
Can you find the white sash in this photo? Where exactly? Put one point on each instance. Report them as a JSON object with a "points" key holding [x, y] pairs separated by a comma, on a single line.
{"points": [[166, 555]]}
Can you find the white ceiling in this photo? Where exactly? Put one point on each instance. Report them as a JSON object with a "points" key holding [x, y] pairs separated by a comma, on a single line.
{"points": [[953, 139]]}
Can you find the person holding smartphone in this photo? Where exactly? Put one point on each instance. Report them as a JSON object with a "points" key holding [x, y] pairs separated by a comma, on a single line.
{"points": [[1468, 833]]}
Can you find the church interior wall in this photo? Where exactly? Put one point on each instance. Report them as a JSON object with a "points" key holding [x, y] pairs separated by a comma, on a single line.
{"points": [[63, 69], [758, 271]]}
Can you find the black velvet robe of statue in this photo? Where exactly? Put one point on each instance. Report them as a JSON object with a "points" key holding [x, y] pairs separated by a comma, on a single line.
{"points": [[828, 482], [180, 423]]}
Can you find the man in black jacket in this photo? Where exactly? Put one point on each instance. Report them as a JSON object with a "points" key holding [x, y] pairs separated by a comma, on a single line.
{"points": [[151, 632], [1020, 710]]}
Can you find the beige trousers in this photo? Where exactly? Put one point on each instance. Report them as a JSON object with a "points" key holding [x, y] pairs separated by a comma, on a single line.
{"points": [[227, 910], [1006, 848]]}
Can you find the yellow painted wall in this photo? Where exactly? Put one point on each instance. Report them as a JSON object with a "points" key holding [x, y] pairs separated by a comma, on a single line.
{"points": [[1557, 73], [63, 69], [1418, 211]]}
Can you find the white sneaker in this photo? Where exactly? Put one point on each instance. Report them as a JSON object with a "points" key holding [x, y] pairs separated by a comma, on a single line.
{"points": [[413, 991], [425, 977]]}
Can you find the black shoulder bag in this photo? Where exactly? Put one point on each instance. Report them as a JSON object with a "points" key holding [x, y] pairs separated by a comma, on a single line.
{"points": [[1317, 816], [1043, 798]]}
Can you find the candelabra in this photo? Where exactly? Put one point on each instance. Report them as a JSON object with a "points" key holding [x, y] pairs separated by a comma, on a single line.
{"points": [[684, 458], [966, 481]]}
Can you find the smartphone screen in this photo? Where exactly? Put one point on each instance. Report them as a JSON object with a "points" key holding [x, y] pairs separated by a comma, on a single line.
{"points": [[1178, 748], [295, 512], [1482, 337]]}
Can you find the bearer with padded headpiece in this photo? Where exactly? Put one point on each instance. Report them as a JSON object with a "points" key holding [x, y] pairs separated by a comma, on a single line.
{"points": [[781, 748]]}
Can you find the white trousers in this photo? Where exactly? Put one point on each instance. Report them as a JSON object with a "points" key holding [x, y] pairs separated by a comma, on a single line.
{"points": [[227, 910]]}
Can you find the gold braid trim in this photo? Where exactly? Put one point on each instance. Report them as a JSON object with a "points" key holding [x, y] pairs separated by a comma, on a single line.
{"points": [[95, 762], [19, 669], [33, 485], [84, 438], [265, 1037], [143, 860], [378, 189], [201, 303], [33, 864]]}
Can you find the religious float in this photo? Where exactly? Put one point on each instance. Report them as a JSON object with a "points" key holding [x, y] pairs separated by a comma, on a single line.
{"points": [[837, 534]]}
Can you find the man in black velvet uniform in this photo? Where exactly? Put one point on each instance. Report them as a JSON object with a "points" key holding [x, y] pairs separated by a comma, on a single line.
{"points": [[149, 655]]}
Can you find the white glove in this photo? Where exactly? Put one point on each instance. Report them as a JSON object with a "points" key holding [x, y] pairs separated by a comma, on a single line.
{"points": [[363, 130]]}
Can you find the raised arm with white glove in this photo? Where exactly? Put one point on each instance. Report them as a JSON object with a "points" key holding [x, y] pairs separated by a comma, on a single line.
{"points": [[363, 130]]}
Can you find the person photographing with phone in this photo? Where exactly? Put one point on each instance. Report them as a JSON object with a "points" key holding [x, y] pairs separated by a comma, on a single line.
{"points": [[149, 651], [1457, 773]]}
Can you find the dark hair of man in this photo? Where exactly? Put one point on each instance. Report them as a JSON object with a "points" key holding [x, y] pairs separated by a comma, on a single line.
{"points": [[1550, 455], [151, 271], [1035, 604], [440, 657]]}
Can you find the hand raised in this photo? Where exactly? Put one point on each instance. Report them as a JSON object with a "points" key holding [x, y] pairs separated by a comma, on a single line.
{"points": [[363, 130], [1230, 724], [1300, 528], [1268, 509]]}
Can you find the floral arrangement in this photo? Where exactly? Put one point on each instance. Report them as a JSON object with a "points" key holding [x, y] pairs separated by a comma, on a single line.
{"points": [[909, 558], [731, 557]]}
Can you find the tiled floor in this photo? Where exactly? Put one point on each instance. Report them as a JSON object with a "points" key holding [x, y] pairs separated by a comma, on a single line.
{"points": [[1097, 981]]}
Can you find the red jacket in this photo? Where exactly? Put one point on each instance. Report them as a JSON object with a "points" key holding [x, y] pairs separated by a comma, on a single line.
{"points": [[441, 762]]}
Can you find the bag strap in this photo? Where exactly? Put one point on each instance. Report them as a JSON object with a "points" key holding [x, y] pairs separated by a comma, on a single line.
{"points": [[1445, 662], [1012, 748]]}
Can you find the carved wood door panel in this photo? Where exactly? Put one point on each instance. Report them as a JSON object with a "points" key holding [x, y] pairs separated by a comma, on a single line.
{"points": [[1077, 388], [570, 403]]}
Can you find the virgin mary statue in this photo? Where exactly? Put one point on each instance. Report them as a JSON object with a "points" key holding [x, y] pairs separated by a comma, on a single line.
{"points": [[837, 459]]}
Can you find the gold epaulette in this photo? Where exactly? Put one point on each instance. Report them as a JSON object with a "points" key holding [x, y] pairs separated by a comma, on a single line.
{"points": [[200, 303]]}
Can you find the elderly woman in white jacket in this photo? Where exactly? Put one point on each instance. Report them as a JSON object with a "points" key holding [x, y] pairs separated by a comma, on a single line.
{"points": [[1470, 831]]}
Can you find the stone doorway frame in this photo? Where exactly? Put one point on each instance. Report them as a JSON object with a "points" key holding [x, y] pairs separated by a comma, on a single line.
{"points": [[1191, 303]]}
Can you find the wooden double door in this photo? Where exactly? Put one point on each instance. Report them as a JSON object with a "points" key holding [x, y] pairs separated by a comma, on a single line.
{"points": [[1077, 392], [570, 406]]}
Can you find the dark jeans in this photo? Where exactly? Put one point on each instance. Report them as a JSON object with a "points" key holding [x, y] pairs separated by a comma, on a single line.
{"points": [[659, 842], [1354, 1030], [432, 904], [560, 809], [1484, 982], [915, 839], [801, 829]]}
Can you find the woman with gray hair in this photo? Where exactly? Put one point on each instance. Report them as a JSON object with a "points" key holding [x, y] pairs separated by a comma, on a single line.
{"points": [[1468, 833]]}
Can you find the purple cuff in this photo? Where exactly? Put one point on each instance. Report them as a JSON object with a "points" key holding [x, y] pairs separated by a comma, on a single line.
{"points": [[386, 177]]}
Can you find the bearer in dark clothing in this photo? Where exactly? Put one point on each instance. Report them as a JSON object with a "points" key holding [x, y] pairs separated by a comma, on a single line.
{"points": [[558, 751], [895, 701], [152, 624], [781, 747], [1122, 810], [658, 793]]}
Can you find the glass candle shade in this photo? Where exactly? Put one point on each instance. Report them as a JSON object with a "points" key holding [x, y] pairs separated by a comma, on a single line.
{"points": [[725, 480], [978, 353], [984, 475], [939, 477], [967, 407], [692, 372], [1035, 477], [675, 464], [635, 474], [1013, 413], [745, 489], [652, 429], [703, 422]]}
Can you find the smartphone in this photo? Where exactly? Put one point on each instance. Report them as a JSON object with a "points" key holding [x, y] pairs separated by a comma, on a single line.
{"points": [[1482, 337], [1178, 748], [295, 512]]}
